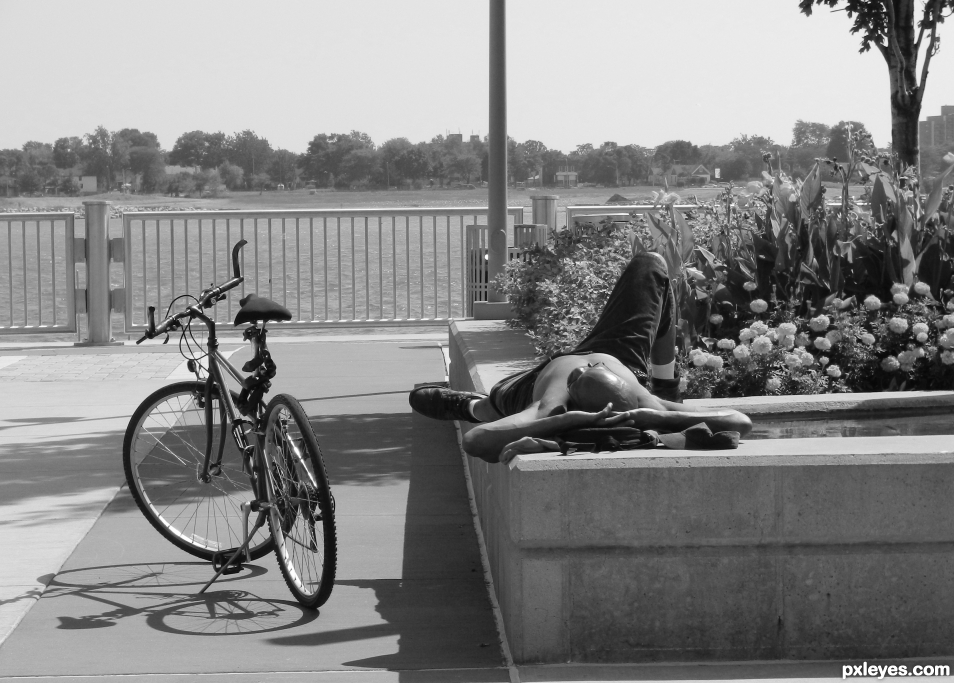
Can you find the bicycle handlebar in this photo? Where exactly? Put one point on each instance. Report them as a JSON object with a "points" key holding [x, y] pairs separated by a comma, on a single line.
{"points": [[209, 299]]}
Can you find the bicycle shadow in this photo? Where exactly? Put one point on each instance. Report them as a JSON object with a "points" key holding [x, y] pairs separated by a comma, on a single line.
{"points": [[165, 595]]}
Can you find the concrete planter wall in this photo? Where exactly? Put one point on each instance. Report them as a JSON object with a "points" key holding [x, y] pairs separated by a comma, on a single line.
{"points": [[782, 549]]}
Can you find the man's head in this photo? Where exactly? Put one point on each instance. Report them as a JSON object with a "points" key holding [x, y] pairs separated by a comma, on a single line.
{"points": [[593, 386]]}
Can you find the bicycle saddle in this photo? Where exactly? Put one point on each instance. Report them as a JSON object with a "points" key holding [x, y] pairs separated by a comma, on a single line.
{"points": [[255, 308]]}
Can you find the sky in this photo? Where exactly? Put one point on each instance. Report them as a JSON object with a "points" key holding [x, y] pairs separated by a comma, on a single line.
{"points": [[578, 71]]}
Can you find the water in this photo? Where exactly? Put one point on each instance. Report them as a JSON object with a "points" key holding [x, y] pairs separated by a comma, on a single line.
{"points": [[928, 421]]}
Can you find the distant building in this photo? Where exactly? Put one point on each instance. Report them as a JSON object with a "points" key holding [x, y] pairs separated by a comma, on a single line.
{"points": [[937, 130], [684, 174], [474, 139], [566, 176], [455, 138], [88, 185]]}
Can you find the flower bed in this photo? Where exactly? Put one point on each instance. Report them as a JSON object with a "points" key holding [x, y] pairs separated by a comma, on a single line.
{"points": [[776, 292]]}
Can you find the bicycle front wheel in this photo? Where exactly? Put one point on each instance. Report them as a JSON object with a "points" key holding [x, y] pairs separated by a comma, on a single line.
{"points": [[302, 516], [163, 454]]}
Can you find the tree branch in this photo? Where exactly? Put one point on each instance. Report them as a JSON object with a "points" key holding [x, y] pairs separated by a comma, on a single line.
{"points": [[931, 45], [893, 43]]}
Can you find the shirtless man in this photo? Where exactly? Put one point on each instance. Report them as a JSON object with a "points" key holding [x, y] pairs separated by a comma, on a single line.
{"points": [[601, 383]]}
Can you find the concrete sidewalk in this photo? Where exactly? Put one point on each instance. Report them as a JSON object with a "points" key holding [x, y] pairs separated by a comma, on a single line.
{"points": [[410, 602]]}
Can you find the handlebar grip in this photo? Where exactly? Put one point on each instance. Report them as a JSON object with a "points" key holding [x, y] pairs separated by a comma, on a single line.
{"points": [[151, 330], [236, 271]]}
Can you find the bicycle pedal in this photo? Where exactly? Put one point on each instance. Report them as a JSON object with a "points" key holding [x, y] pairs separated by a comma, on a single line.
{"points": [[220, 560]]}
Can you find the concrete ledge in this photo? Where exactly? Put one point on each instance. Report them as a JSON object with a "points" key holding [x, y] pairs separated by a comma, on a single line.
{"points": [[782, 549]]}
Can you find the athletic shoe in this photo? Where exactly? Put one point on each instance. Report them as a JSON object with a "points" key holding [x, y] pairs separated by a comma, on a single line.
{"points": [[439, 402]]}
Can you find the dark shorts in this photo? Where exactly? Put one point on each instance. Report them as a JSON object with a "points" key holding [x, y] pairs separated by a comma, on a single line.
{"points": [[639, 309]]}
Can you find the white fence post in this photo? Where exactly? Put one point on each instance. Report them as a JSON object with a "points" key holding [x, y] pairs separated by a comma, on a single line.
{"points": [[544, 211], [97, 273]]}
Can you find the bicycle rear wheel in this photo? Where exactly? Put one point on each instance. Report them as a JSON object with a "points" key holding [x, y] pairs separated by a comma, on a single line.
{"points": [[163, 452], [302, 518]]}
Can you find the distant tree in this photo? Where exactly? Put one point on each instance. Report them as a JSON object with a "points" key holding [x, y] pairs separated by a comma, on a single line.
{"points": [[249, 151], [390, 151], [284, 168], [552, 160], [260, 181], [189, 150], [150, 165], [465, 165], [207, 181], [675, 152], [838, 141], [358, 166], [66, 152], [751, 148], [322, 160], [232, 176], [216, 150], [809, 134], [413, 163], [98, 155], [890, 26]]}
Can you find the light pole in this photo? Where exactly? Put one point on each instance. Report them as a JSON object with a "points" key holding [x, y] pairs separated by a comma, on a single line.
{"points": [[497, 147]]}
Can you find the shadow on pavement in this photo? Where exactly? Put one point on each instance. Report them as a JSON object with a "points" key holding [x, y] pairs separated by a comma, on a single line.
{"points": [[119, 592]]}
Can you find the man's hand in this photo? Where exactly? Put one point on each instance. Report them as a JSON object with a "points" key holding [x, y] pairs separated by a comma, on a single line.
{"points": [[604, 418], [527, 444]]}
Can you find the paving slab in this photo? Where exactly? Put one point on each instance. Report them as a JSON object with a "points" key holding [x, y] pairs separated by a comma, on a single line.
{"points": [[410, 601]]}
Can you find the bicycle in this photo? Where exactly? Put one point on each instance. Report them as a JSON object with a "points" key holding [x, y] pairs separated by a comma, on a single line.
{"points": [[201, 499]]}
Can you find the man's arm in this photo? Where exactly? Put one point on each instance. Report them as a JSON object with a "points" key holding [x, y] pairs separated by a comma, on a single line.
{"points": [[675, 417], [486, 441]]}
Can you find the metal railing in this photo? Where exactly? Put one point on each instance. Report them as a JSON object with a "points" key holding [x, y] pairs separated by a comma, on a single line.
{"points": [[37, 273], [329, 267], [595, 213]]}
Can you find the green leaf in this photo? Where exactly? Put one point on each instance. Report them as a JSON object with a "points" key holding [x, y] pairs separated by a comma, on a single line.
{"points": [[934, 200], [810, 196]]}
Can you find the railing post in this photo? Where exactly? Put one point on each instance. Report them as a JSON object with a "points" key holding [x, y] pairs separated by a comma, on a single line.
{"points": [[97, 273], [544, 211]]}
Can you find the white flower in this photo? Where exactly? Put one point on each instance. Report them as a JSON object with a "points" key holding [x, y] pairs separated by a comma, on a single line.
{"points": [[867, 339], [897, 325], [947, 357], [698, 359], [772, 334], [792, 361], [808, 359], [919, 352], [950, 305], [802, 339], [787, 329], [834, 336], [922, 288], [922, 337], [683, 384], [773, 384], [747, 334], [715, 319], [949, 320], [786, 341], [872, 303], [822, 344], [759, 306], [920, 328], [759, 327], [907, 358], [741, 352], [837, 303], [833, 371], [898, 288], [900, 299], [823, 361], [890, 364], [946, 340], [761, 345], [726, 344], [750, 286], [819, 323], [714, 362]]}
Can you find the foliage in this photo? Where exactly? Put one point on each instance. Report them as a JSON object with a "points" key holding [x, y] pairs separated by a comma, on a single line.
{"points": [[770, 256]]}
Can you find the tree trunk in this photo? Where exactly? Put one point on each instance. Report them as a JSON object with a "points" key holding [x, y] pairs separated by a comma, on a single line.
{"points": [[904, 132], [906, 92]]}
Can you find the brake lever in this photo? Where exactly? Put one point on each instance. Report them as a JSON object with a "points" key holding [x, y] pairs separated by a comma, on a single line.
{"points": [[166, 340]]}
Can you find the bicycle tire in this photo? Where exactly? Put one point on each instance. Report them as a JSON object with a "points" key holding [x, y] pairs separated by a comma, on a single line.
{"points": [[163, 449], [302, 517]]}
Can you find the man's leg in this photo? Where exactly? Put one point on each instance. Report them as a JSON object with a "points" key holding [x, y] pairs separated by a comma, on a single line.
{"points": [[636, 324]]}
